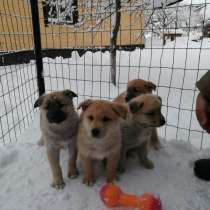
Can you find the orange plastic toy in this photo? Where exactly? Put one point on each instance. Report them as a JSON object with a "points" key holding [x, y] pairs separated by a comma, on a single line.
{"points": [[112, 196]]}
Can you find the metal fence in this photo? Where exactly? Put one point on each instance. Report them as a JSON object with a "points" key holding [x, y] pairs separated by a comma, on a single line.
{"points": [[167, 45]]}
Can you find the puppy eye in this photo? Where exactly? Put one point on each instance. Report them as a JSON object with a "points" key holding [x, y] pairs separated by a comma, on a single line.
{"points": [[90, 117], [47, 105], [106, 119], [135, 90], [63, 104], [150, 113]]}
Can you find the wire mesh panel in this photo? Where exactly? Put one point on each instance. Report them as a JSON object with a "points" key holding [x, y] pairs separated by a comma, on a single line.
{"points": [[76, 38], [16, 25], [174, 57], [17, 82]]}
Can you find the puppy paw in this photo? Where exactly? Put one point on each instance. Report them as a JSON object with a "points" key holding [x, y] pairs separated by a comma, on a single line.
{"points": [[112, 179], [148, 164], [40, 142], [89, 181], [157, 146], [121, 170], [73, 173], [59, 185], [117, 178], [109, 180]]}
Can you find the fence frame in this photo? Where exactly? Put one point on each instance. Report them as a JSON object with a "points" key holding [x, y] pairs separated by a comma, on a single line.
{"points": [[37, 46]]}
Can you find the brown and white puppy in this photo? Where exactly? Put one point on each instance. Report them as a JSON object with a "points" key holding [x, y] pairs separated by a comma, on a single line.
{"points": [[144, 115], [135, 88], [99, 136], [59, 124]]}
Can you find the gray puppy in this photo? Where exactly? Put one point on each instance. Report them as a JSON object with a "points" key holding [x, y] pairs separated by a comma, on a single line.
{"points": [[59, 124], [143, 116]]}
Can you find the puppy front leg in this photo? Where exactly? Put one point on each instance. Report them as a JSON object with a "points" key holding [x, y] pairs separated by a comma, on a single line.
{"points": [[87, 165], [41, 141], [155, 140], [72, 163], [111, 167], [53, 157], [142, 152], [122, 160]]}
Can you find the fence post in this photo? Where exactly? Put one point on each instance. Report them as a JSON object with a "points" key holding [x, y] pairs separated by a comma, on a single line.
{"points": [[37, 46]]}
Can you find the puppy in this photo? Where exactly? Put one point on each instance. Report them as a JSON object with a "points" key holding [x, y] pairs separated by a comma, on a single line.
{"points": [[144, 115], [135, 88], [99, 136], [59, 124]]}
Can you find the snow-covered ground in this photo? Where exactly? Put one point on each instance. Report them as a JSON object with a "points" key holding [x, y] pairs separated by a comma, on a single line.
{"points": [[25, 179], [25, 175]]}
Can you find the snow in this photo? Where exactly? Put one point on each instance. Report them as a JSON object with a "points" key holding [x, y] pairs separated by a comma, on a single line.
{"points": [[25, 175], [160, 3], [25, 179], [205, 11]]}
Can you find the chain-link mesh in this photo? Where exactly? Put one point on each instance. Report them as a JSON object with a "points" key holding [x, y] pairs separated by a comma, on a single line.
{"points": [[169, 46]]}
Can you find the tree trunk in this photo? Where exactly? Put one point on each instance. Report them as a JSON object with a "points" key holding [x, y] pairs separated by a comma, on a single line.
{"points": [[113, 40]]}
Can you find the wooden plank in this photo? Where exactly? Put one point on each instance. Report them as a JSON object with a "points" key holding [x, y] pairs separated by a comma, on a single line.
{"points": [[16, 30]]}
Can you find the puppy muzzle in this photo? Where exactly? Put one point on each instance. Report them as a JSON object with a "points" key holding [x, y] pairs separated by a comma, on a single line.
{"points": [[56, 117], [55, 114], [128, 97]]}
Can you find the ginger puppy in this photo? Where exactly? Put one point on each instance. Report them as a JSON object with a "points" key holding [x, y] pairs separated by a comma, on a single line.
{"points": [[144, 115], [59, 124], [99, 136], [135, 88]]}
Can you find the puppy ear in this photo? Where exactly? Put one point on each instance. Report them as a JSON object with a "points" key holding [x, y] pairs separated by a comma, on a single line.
{"points": [[69, 93], [120, 110], [39, 101], [85, 104], [150, 86], [135, 106]]}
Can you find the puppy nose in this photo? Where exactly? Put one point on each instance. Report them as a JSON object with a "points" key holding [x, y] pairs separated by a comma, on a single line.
{"points": [[162, 120], [128, 98], [95, 132], [53, 106]]}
